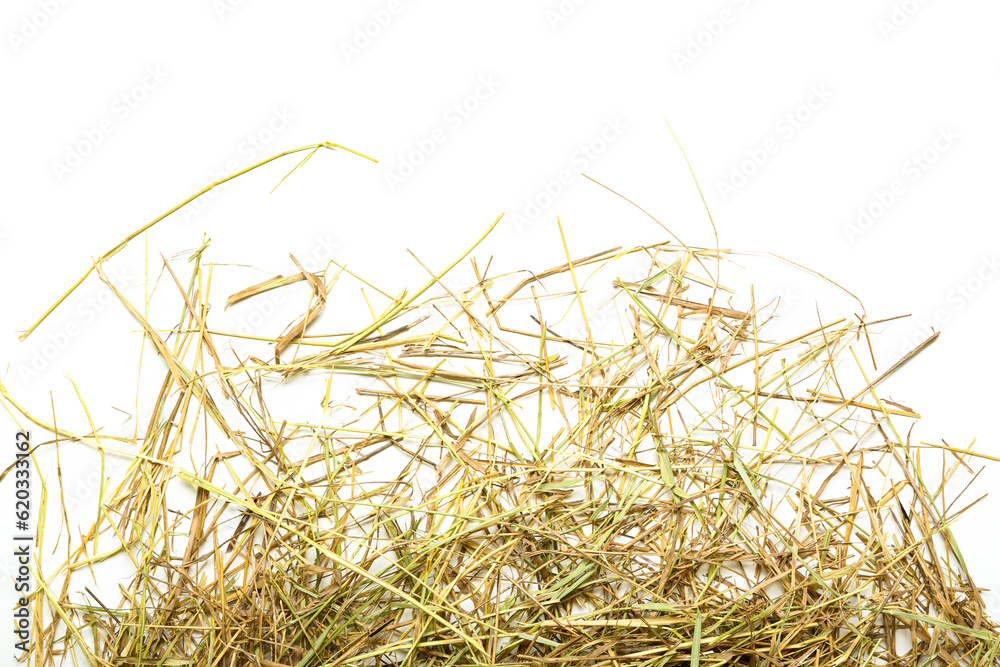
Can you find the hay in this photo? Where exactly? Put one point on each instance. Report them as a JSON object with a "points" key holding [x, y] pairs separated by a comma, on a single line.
{"points": [[512, 483]]}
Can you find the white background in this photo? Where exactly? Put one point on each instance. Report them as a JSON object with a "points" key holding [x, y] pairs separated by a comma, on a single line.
{"points": [[116, 111]]}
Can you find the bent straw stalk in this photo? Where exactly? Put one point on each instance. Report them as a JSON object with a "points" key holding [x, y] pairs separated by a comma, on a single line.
{"points": [[113, 251]]}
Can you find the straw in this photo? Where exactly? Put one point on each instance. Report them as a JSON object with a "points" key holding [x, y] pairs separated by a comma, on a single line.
{"points": [[514, 481]]}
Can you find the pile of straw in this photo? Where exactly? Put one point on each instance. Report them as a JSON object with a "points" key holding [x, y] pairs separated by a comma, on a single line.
{"points": [[516, 480]]}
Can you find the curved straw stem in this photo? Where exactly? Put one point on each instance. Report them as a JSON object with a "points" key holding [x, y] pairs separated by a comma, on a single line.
{"points": [[111, 253]]}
